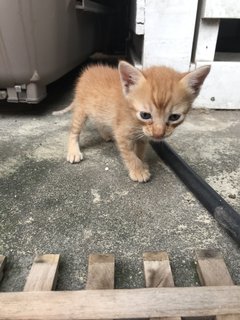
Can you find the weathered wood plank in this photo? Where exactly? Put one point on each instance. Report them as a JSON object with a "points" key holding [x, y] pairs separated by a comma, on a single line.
{"points": [[100, 272], [43, 274], [213, 271], [228, 317], [157, 271], [3, 261], [120, 304]]}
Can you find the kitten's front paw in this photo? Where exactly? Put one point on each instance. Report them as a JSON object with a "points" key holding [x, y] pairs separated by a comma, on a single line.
{"points": [[74, 157], [140, 175]]}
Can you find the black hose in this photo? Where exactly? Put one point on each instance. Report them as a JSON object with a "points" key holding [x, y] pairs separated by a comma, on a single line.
{"points": [[225, 215]]}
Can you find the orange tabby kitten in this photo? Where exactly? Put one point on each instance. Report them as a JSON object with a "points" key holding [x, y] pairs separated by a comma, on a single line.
{"points": [[132, 106]]}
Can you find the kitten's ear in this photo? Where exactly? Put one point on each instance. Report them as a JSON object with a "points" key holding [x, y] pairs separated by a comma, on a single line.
{"points": [[194, 80], [130, 76]]}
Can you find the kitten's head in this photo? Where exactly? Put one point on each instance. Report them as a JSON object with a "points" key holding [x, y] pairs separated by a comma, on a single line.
{"points": [[160, 97]]}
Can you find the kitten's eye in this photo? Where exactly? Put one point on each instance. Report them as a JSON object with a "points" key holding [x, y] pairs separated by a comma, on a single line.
{"points": [[145, 115], [174, 117]]}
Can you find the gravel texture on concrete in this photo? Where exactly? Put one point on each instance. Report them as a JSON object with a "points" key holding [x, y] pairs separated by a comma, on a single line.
{"points": [[50, 206]]}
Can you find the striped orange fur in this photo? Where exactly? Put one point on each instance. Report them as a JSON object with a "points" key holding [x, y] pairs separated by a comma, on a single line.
{"points": [[131, 107]]}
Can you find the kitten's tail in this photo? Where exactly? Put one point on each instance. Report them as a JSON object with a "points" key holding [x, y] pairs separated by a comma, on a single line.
{"points": [[61, 112]]}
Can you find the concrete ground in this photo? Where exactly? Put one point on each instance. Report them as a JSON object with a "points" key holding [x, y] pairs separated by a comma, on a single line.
{"points": [[50, 206]]}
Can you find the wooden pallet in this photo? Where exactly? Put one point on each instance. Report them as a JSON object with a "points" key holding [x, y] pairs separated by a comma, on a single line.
{"points": [[160, 299]]}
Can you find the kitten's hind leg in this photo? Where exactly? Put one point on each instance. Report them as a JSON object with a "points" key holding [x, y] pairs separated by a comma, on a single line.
{"points": [[74, 154]]}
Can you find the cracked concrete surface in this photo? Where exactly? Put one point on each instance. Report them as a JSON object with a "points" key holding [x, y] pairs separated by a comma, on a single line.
{"points": [[50, 206]]}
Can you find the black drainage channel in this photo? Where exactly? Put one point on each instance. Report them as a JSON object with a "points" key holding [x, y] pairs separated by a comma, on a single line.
{"points": [[225, 215]]}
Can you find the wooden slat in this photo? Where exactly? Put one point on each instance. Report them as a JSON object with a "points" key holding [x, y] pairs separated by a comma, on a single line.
{"points": [[3, 260], [229, 317], [213, 271], [43, 274], [120, 303], [100, 272], [158, 272]]}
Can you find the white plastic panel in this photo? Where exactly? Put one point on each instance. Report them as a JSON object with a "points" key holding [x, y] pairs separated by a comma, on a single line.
{"points": [[42, 40], [206, 39], [138, 16], [220, 89], [169, 30], [229, 9]]}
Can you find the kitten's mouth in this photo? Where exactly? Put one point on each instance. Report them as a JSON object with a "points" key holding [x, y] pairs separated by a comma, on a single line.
{"points": [[157, 139]]}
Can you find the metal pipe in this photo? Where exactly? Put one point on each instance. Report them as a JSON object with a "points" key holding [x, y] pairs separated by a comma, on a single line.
{"points": [[225, 215]]}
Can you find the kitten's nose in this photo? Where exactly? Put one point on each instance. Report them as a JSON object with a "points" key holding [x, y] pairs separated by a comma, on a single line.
{"points": [[158, 132]]}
